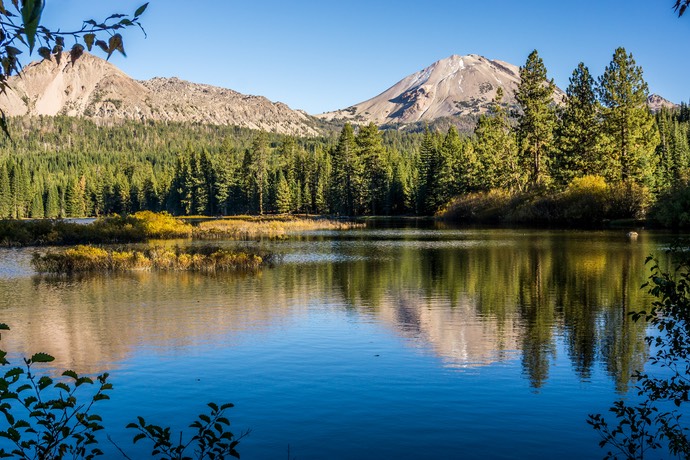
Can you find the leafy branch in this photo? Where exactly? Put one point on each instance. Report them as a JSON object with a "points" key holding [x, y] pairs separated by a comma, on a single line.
{"points": [[20, 28], [212, 440]]}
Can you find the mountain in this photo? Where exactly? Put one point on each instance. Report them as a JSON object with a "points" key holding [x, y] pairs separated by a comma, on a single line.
{"points": [[455, 86], [656, 103], [94, 88]]}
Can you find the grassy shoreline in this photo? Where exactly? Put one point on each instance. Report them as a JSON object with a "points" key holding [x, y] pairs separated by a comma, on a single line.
{"points": [[146, 225]]}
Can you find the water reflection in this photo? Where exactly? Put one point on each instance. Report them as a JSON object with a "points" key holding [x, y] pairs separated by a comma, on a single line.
{"points": [[471, 297]]}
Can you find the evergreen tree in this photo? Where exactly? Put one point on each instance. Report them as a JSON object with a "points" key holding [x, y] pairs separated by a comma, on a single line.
{"points": [[376, 173], [151, 197], [399, 192], [346, 174], [282, 199], [630, 135], [452, 152], [537, 121], [37, 210], [681, 153], [5, 193], [20, 187], [52, 206], [259, 170], [496, 151], [74, 199], [430, 163], [578, 134]]}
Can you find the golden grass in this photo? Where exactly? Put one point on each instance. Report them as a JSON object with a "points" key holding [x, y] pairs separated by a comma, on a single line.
{"points": [[244, 228], [81, 259]]}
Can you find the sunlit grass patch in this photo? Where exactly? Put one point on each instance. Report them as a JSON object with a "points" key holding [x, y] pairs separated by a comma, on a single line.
{"points": [[263, 227], [83, 259]]}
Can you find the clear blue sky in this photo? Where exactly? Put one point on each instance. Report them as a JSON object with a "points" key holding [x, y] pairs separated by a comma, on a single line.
{"points": [[320, 55]]}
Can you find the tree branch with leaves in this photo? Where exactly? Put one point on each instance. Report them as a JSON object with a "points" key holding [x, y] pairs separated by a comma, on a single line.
{"points": [[21, 30]]}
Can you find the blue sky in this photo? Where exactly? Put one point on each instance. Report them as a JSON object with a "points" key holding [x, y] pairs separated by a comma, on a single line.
{"points": [[322, 55]]}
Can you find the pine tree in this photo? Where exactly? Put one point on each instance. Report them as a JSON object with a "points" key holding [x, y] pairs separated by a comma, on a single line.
{"points": [[5, 193], [52, 206], [496, 150], [19, 186], [578, 133], [259, 170], [452, 151], [282, 199], [74, 200], [680, 153], [630, 134], [537, 121], [376, 173], [430, 163], [346, 174], [37, 210]]}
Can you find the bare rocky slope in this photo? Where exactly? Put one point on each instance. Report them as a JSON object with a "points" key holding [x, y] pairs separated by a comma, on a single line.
{"points": [[656, 103], [455, 86], [454, 90], [94, 88], [458, 86]]}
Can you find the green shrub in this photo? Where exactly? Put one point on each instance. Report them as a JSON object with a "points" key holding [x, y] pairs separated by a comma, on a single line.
{"points": [[628, 200], [483, 207], [585, 201]]}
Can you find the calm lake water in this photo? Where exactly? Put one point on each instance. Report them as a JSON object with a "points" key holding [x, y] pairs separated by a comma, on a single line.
{"points": [[382, 343]]}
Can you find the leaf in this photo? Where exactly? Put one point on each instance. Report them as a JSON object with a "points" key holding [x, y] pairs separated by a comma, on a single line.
{"points": [[6, 131], [141, 10], [138, 437], [62, 387], [23, 388], [69, 373], [82, 380], [76, 52], [88, 40], [31, 17], [115, 44], [14, 372], [44, 53], [44, 382], [102, 45], [42, 358]]}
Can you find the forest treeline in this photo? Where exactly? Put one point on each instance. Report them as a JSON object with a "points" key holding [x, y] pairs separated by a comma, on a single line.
{"points": [[603, 133]]}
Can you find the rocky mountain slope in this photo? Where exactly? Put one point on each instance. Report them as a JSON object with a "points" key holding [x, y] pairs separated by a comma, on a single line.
{"points": [[94, 88], [455, 86], [656, 103]]}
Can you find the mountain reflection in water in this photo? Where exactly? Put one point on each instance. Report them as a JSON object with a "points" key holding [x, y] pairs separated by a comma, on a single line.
{"points": [[471, 297]]}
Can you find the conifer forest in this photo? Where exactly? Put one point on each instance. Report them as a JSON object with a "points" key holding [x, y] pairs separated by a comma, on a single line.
{"points": [[601, 134]]}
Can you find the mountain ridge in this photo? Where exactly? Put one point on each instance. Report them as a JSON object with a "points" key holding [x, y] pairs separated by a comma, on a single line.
{"points": [[454, 90], [94, 88], [455, 86]]}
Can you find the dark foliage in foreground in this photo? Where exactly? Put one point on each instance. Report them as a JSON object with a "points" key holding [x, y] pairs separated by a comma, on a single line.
{"points": [[656, 422]]}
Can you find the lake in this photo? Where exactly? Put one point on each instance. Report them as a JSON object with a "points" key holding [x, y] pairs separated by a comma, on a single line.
{"points": [[375, 343]]}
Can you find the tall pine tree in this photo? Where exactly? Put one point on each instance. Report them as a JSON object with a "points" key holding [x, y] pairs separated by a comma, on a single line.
{"points": [[578, 133], [537, 121], [346, 174], [630, 135]]}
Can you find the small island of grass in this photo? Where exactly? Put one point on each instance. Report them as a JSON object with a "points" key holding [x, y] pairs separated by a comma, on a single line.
{"points": [[90, 259]]}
